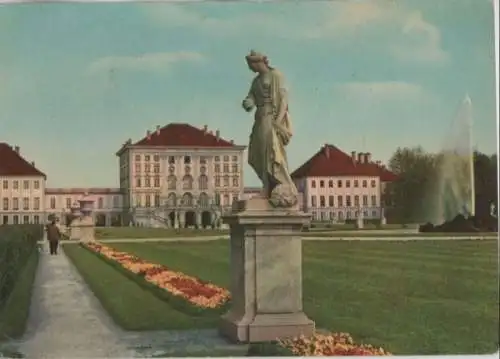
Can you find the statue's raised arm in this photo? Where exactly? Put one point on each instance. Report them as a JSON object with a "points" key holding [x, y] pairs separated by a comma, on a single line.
{"points": [[271, 131]]}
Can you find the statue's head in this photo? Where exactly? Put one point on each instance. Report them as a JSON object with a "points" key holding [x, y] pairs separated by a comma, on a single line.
{"points": [[257, 62]]}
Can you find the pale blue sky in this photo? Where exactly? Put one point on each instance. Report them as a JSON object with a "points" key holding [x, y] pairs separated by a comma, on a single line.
{"points": [[77, 80]]}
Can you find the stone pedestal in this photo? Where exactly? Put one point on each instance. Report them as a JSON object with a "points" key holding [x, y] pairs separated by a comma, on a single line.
{"points": [[266, 273], [74, 229], [86, 229], [360, 223]]}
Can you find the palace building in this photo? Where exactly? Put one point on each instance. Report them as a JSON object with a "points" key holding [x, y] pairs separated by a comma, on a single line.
{"points": [[337, 186]]}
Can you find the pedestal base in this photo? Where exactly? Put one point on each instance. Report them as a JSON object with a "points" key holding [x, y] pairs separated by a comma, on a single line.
{"points": [[266, 273], [265, 327]]}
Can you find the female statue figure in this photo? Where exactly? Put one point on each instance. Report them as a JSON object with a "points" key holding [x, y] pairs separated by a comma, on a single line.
{"points": [[271, 131]]}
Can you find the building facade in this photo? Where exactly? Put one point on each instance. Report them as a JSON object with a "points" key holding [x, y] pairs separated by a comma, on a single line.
{"points": [[179, 176], [22, 188], [339, 187], [108, 204]]}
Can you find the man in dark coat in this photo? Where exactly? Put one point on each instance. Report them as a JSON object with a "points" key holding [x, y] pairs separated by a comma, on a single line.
{"points": [[53, 235]]}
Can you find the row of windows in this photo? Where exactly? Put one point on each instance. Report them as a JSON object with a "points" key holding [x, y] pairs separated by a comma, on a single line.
{"points": [[364, 183], [100, 202], [340, 215], [6, 204], [186, 159], [147, 158], [340, 201], [26, 184], [15, 219], [187, 182], [186, 200]]}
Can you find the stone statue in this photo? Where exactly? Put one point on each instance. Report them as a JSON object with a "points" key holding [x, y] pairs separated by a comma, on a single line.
{"points": [[271, 132]]}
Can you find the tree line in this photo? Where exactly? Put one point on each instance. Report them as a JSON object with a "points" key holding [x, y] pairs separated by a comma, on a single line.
{"points": [[412, 197]]}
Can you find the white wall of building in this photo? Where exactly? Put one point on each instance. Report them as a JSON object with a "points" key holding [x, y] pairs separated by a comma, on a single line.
{"points": [[22, 199]]}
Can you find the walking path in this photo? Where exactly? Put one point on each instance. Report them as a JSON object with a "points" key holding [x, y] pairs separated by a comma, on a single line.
{"points": [[67, 321]]}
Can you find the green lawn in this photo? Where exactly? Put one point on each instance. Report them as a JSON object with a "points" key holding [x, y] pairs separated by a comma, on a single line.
{"points": [[146, 232], [365, 233], [130, 306], [425, 297]]}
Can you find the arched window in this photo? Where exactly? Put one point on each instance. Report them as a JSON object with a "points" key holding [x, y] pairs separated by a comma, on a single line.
{"points": [[172, 182], [187, 199], [171, 199], [203, 182], [187, 182], [203, 200]]}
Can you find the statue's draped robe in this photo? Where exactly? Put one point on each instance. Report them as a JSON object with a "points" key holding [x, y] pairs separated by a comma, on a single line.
{"points": [[266, 151]]}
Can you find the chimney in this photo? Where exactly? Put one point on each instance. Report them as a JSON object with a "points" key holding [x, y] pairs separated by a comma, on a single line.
{"points": [[326, 149], [232, 142], [217, 134], [129, 141], [205, 128], [368, 157], [33, 163], [360, 157], [158, 130], [353, 156], [148, 134], [17, 149]]}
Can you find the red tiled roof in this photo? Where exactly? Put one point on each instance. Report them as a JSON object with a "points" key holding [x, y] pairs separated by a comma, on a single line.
{"points": [[331, 161], [13, 164], [182, 135]]}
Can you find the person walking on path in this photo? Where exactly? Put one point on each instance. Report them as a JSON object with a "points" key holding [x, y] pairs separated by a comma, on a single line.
{"points": [[53, 235]]}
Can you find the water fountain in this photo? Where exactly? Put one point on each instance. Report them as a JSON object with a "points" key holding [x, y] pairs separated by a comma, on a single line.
{"points": [[453, 198]]}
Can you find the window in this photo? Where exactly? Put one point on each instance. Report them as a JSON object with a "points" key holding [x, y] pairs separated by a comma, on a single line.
{"points": [[217, 168], [340, 201], [321, 184], [235, 197], [365, 200], [374, 213], [187, 160], [226, 168], [313, 201], [226, 158], [137, 167], [5, 184], [26, 219], [348, 201], [187, 182], [15, 204], [217, 158], [15, 219], [374, 183], [147, 167], [313, 184], [171, 160], [156, 168], [157, 181], [374, 200], [157, 200], [138, 157], [68, 202], [116, 201], [321, 201], [339, 183], [52, 202], [330, 201], [217, 181], [15, 184], [172, 182], [356, 201], [348, 183], [5, 204], [36, 219], [26, 184], [148, 200], [235, 158], [36, 184], [235, 168], [203, 182], [100, 203], [330, 184], [356, 183], [203, 160], [147, 182], [156, 158], [365, 183], [236, 183], [36, 203], [138, 182], [26, 203], [332, 216], [226, 181], [138, 202], [147, 158]]}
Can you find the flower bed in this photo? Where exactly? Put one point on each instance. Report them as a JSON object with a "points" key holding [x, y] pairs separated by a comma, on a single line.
{"points": [[200, 294], [334, 344]]}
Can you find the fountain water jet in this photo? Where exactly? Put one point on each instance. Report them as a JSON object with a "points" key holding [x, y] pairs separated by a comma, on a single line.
{"points": [[454, 191]]}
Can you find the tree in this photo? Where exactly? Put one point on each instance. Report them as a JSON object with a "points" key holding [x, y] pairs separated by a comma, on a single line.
{"points": [[485, 182]]}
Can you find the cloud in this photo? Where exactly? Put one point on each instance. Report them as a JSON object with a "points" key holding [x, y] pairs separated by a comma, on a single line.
{"points": [[390, 90], [156, 62]]}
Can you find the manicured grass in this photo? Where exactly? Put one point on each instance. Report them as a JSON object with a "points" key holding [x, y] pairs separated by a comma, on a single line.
{"points": [[335, 234], [14, 315], [145, 232], [420, 297], [131, 306]]}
